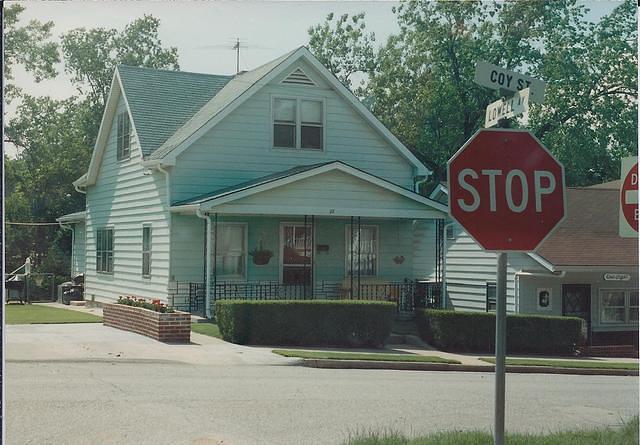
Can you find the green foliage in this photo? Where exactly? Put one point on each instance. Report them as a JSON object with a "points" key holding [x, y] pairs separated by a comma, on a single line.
{"points": [[421, 80], [475, 331], [206, 328], [317, 322], [153, 305], [343, 46], [625, 434], [29, 46], [582, 364]]}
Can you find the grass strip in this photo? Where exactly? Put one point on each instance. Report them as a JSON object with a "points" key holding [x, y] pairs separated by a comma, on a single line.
{"points": [[36, 314], [373, 356], [206, 328], [583, 364], [627, 434]]}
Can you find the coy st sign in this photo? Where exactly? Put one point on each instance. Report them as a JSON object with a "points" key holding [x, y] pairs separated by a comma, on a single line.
{"points": [[498, 78], [506, 190]]}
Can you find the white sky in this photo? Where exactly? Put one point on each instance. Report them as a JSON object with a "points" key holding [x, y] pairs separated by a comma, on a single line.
{"points": [[198, 29]]}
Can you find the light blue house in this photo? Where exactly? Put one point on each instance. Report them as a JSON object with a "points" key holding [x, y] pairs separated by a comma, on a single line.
{"points": [[274, 183]]}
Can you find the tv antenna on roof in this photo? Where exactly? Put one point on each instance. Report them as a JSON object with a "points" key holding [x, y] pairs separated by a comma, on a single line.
{"points": [[235, 44]]}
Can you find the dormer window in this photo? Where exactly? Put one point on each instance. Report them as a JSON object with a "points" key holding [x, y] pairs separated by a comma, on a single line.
{"points": [[298, 123], [123, 136]]}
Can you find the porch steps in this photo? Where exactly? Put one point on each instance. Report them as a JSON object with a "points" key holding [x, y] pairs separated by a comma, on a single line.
{"points": [[622, 351]]}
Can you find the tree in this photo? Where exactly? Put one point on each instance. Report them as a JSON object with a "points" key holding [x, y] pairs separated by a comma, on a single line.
{"points": [[29, 46], [343, 46], [422, 84]]}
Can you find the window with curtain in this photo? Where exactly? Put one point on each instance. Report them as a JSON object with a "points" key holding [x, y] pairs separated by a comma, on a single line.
{"points": [[298, 123], [618, 306], [364, 240], [104, 250], [231, 252]]}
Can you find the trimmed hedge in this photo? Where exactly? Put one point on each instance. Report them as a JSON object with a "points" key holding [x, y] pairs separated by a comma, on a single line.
{"points": [[475, 331], [314, 322]]}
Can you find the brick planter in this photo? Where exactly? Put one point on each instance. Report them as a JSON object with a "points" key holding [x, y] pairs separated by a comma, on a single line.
{"points": [[168, 327]]}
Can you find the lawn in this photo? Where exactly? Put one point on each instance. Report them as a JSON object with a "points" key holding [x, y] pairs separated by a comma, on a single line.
{"points": [[331, 355], [37, 314], [588, 364], [626, 435], [206, 328]]}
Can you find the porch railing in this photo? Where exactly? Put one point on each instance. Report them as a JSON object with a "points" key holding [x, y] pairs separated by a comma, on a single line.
{"points": [[408, 294]]}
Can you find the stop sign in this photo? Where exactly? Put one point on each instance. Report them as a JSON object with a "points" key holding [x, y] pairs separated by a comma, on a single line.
{"points": [[506, 190]]}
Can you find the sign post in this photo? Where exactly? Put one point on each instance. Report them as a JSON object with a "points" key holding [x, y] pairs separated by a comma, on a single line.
{"points": [[507, 191]]}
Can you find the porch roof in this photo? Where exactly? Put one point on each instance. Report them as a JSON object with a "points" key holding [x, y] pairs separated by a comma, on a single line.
{"points": [[72, 217], [331, 188]]}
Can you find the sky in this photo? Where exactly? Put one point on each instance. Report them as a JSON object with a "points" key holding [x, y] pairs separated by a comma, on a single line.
{"points": [[205, 31]]}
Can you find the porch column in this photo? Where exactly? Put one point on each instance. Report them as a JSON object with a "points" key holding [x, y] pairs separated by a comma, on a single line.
{"points": [[351, 257], [359, 256]]}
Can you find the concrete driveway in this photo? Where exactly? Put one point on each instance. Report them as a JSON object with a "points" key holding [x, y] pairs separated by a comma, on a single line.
{"points": [[95, 342]]}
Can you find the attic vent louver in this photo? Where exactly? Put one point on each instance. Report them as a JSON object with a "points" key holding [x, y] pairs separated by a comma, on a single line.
{"points": [[298, 77]]}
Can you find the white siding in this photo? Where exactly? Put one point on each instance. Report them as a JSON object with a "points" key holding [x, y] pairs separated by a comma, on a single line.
{"points": [[469, 268], [424, 249], [125, 198], [239, 148]]}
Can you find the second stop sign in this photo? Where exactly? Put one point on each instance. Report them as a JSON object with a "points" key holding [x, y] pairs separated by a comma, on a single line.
{"points": [[506, 190]]}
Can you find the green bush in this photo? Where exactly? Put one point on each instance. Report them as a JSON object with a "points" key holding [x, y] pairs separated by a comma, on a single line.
{"points": [[316, 322], [475, 331]]}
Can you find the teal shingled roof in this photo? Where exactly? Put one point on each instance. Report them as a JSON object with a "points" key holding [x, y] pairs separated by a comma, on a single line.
{"points": [[249, 184], [161, 101]]}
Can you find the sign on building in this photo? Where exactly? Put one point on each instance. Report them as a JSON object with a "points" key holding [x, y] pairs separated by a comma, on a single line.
{"points": [[628, 219]]}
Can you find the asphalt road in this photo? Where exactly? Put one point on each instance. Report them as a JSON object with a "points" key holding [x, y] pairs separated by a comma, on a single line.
{"points": [[155, 402]]}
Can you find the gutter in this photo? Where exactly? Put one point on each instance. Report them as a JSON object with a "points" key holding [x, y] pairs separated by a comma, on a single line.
{"points": [[168, 196]]}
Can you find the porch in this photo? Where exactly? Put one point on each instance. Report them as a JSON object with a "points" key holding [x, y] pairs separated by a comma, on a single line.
{"points": [[327, 231]]}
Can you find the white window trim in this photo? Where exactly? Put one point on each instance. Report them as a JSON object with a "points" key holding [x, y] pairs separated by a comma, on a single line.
{"points": [[298, 100], [312, 252], [347, 242], [150, 251], [113, 250], [231, 277], [627, 306]]}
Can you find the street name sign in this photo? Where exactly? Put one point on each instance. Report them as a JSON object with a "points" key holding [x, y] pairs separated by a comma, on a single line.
{"points": [[628, 215], [495, 77], [506, 108], [506, 190]]}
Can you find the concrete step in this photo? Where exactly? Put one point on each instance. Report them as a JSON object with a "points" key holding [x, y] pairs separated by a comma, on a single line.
{"points": [[78, 303]]}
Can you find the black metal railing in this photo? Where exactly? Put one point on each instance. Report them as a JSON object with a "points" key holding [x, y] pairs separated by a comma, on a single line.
{"points": [[408, 295]]}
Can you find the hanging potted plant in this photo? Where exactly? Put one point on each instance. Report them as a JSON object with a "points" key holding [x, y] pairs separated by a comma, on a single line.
{"points": [[260, 255]]}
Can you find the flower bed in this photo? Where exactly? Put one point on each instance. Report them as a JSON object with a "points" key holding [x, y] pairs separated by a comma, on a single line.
{"points": [[135, 315]]}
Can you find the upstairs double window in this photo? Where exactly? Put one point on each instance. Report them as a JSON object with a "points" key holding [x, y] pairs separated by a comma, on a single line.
{"points": [[298, 123], [123, 137]]}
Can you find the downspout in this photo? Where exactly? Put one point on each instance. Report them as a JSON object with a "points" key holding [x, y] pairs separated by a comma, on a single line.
{"points": [[168, 195], [77, 187], [417, 182], [207, 280], [522, 273], [73, 243]]}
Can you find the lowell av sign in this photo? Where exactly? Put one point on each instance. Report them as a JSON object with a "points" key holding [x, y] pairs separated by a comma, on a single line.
{"points": [[506, 190]]}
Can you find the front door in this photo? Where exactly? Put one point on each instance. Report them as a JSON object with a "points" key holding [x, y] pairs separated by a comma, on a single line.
{"points": [[576, 302], [297, 257]]}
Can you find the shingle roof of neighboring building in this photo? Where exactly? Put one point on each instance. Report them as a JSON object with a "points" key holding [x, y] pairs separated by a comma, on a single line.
{"points": [[589, 234], [248, 184], [210, 108], [161, 101]]}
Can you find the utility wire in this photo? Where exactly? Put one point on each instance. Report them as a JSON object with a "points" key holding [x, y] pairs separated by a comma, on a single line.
{"points": [[32, 223]]}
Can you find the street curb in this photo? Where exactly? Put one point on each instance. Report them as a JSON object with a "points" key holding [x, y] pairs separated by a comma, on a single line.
{"points": [[412, 366]]}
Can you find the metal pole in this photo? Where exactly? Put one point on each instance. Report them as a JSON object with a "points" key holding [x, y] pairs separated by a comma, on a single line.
{"points": [[351, 254], [359, 257], [501, 343]]}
